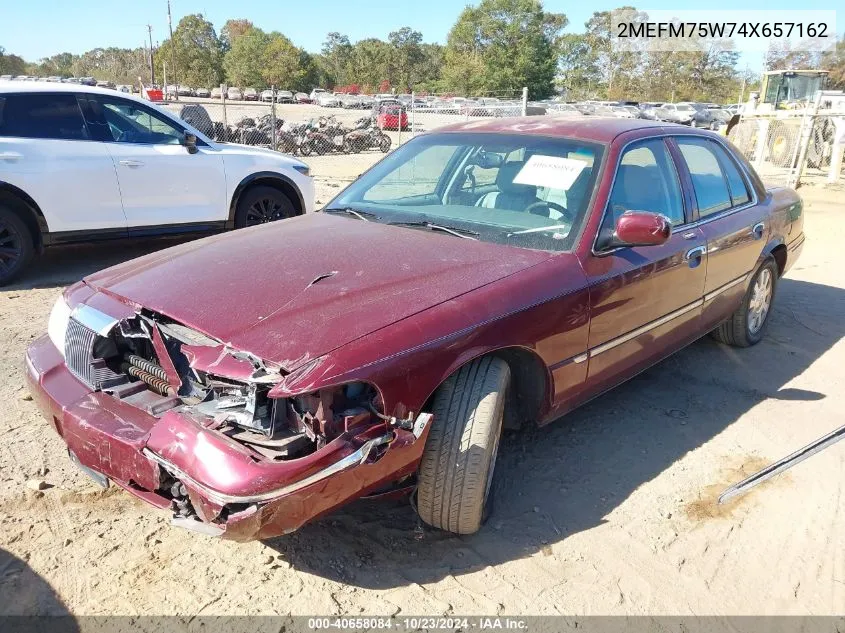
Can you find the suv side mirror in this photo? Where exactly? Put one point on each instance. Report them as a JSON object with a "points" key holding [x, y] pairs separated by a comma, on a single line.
{"points": [[641, 228], [190, 142]]}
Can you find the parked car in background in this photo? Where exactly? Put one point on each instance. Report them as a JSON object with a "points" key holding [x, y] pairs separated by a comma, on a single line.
{"points": [[5, 78], [74, 172], [719, 118], [203, 93], [216, 93], [124, 88], [249, 413], [563, 110], [328, 100], [284, 96], [87, 81], [301, 97], [682, 113], [316, 92], [234, 94], [184, 91], [392, 117], [267, 96], [105, 84], [250, 94]]}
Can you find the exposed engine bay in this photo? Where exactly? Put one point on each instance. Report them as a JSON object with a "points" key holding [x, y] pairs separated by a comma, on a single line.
{"points": [[158, 365]]}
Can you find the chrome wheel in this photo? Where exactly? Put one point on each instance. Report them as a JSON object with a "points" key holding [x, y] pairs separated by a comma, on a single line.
{"points": [[760, 301], [11, 248], [264, 210]]}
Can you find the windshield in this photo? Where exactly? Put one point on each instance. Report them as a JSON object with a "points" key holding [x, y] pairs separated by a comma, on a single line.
{"points": [[520, 190], [684, 107]]}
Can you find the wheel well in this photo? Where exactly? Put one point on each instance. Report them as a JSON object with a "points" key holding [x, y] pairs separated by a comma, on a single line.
{"points": [[276, 183], [779, 253], [528, 390], [25, 208]]}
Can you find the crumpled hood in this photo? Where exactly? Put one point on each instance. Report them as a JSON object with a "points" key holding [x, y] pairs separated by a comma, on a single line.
{"points": [[294, 290]]}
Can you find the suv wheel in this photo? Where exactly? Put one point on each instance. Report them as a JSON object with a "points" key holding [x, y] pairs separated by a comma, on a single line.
{"points": [[16, 248], [262, 204]]}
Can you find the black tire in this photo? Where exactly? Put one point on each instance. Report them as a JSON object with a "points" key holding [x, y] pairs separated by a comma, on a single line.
{"points": [[347, 147], [740, 330], [307, 148], [456, 469], [261, 204], [16, 244], [384, 143]]}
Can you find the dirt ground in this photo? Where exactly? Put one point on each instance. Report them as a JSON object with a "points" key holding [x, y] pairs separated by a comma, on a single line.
{"points": [[611, 510]]}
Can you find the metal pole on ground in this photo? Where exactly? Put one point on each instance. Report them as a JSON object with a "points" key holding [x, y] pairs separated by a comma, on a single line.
{"points": [[413, 111], [223, 102], [525, 101]]}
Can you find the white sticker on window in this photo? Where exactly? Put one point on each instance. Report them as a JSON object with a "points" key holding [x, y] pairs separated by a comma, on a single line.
{"points": [[554, 172]]}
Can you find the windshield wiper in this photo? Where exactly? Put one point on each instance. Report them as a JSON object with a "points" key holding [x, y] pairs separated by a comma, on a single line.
{"points": [[540, 229], [361, 215], [457, 232]]}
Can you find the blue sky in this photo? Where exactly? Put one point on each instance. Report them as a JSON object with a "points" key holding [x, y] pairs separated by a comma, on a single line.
{"points": [[38, 28]]}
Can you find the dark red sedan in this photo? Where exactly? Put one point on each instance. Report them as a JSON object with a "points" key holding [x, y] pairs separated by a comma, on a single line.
{"points": [[491, 273]]}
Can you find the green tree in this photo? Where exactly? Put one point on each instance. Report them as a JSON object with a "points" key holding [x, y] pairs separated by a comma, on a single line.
{"points": [[501, 46], [243, 61], [407, 56], [198, 52], [337, 53], [232, 30], [579, 74], [834, 61], [285, 65]]}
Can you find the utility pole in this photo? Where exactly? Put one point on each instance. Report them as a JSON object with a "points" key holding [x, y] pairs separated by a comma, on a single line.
{"points": [[152, 66], [172, 50]]}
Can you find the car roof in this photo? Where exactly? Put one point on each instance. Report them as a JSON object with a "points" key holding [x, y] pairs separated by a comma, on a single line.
{"points": [[36, 87], [598, 129]]}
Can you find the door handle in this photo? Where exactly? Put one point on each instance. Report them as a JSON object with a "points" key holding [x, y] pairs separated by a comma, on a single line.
{"points": [[131, 163], [694, 255], [757, 230], [10, 157]]}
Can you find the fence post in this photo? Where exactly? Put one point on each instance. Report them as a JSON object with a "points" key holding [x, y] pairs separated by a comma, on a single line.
{"points": [[413, 111], [273, 116], [399, 124], [804, 139], [225, 122], [525, 101]]}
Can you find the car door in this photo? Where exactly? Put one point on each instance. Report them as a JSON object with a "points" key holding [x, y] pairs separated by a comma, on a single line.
{"points": [[161, 183], [645, 302], [47, 151], [732, 222]]}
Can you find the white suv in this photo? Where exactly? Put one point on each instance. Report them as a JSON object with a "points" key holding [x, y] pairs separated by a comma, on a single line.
{"points": [[81, 164]]}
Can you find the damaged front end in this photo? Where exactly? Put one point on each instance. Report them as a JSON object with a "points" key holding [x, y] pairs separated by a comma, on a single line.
{"points": [[207, 439]]}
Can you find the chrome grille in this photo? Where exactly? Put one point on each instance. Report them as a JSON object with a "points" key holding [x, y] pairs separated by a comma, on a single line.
{"points": [[79, 356]]}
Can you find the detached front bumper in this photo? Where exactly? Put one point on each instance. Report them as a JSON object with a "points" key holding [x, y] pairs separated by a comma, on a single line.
{"points": [[233, 494]]}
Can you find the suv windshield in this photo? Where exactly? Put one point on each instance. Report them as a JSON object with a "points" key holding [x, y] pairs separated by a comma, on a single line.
{"points": [[526, 191]]}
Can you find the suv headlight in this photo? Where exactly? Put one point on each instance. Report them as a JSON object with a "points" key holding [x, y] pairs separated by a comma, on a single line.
{"points": [[57, 325]]}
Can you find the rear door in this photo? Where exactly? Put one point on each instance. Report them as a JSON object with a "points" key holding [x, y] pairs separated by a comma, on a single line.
{"points": [[732, 222], [47, 150], [161, 183]]}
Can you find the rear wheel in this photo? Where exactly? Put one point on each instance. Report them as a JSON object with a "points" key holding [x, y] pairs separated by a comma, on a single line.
{"points": [[456, 470], [262, 204], [384, 143], [748, 324], [16, 245]]}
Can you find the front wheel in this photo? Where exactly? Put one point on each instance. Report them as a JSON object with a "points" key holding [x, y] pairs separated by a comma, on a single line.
{"points": [[16, 245], [260, 205], [749, 322], [384, 143], [456, 469]]}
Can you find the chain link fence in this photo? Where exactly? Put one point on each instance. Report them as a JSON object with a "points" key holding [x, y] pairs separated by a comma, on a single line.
{"points": [[793, 146]]}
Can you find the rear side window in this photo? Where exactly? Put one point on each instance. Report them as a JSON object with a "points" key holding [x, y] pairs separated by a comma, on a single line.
{"points": [[48, 116], [716, 180]]}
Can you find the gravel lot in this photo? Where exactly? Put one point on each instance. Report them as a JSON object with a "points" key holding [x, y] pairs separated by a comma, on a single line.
{"points": [[611, 510]]}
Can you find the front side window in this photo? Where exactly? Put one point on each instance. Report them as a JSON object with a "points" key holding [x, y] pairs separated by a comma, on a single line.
{"points": [[131, 123], [526, 191], [46, 116], [645, 181], [708, 179]]}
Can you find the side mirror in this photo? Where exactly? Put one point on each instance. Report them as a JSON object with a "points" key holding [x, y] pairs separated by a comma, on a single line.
{"points": [[190, 142], [641, 228]]}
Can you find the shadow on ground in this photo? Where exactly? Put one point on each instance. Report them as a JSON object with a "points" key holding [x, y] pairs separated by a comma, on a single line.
{"points": [[25, 597], [559, 480]]}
